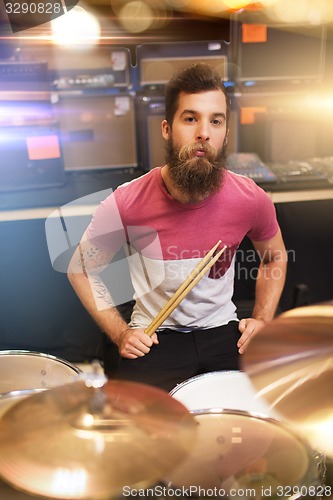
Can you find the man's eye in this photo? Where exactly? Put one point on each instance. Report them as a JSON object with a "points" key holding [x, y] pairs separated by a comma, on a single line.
{"points": [[189, 119], [217, 122]]}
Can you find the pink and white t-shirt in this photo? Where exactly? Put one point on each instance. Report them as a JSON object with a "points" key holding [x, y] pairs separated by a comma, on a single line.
{"points": [[167, 239]]}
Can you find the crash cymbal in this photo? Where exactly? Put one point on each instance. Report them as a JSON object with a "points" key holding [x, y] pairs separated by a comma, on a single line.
{"points": [[79, 442], [290, 363], [318, 310]]}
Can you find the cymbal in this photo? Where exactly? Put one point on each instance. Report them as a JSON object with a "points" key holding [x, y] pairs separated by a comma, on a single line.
{"points": [[79, 442], [290, 363]]}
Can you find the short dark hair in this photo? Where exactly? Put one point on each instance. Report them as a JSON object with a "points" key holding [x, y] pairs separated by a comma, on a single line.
{"points": [[193, 79]]}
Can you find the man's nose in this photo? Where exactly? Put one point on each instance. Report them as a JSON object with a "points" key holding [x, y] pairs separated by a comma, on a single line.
{"points": [[202, 133]]}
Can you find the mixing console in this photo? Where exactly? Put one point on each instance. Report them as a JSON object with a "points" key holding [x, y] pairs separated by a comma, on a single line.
{"points": [[324, 165], [301, 174], [250, 165], [315, 173]]}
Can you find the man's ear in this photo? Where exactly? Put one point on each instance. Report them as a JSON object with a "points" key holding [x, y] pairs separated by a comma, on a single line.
{"points": [[166, 129]]}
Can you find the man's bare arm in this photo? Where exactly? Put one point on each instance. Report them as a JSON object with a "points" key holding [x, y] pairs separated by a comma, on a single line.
{"points": [[84, 271], [269, 285]]}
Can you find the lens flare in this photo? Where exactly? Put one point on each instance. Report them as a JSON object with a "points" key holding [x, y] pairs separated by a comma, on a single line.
{"points": [[76, 27], [136, 16]]}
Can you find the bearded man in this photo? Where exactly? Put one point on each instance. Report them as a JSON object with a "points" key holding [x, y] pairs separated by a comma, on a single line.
{"points": [[170, 217]]}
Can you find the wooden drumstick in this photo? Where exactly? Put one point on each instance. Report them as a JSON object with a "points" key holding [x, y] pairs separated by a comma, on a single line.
{"points": [[194, 277]]}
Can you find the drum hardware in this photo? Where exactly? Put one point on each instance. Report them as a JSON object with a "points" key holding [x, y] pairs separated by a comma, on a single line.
{"points": [[79, 441], [290, 363]]}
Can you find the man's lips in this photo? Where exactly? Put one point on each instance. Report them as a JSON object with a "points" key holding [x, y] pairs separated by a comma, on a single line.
{"points": [[200, 152]]}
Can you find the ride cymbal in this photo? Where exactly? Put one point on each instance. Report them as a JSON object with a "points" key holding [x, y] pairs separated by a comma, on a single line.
{"points": [[290, 363], [79, 442]]}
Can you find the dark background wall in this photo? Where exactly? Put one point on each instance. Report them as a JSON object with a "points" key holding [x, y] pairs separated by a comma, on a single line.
{"points": [[308, 235]]}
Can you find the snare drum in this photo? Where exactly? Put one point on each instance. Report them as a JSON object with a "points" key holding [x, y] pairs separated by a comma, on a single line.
{"points": [[230, 390]]}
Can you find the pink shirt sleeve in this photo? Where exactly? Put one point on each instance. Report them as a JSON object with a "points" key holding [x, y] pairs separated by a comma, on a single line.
{"points": [[266, 225], [106, 229]]}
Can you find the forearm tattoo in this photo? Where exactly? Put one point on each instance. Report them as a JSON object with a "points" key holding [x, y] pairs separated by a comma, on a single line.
{"points": [[92, 261], [102, 296], [82, 261]]}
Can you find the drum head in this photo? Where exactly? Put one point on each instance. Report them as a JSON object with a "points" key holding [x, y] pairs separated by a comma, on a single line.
{"points": [[230, 390], [237, 452], [25, 370]]}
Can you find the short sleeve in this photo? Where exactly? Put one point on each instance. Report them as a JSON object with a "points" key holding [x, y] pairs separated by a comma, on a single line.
{"points": [[106, 229], [265, 225]]}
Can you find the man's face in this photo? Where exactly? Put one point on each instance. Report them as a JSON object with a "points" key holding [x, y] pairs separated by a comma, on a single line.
{"points": [[196, 146]]}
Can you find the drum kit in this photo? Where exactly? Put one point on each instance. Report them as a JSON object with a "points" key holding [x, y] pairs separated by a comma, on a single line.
{"points": [[264, 432]]}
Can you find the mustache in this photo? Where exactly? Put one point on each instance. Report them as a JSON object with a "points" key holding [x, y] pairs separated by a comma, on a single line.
{"points": [[188, 151]]}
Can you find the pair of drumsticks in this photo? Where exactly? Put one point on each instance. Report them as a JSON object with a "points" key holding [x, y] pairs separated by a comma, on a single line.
{"points": [[193, 278]]}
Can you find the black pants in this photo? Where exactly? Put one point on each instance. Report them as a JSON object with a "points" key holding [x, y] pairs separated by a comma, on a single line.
{"points": [[179, 356]]}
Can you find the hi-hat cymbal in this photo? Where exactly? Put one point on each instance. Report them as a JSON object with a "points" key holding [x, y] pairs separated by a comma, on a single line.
{"points": [[290, 363], [79, 442]]}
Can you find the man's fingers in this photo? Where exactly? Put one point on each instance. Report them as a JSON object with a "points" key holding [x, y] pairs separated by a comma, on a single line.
{"points": [[137, 344], [248, 327], [154, 338]]}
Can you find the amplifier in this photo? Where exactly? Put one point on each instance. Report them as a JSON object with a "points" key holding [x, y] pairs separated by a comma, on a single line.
{"points": [[278, 126], [266, 50], [75, 68], [158, 62], [97, 131], [31, 157], [23, 76]]}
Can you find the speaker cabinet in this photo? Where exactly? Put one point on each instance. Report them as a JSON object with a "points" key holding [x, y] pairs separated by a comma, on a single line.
{"points": [[98, 131], [81, 67], [267, 50], [278, 126], [290, 138], [30, 143], [158, 62]]}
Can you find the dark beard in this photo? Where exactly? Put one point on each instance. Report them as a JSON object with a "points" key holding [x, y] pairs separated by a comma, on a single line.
{"points": [[196, 176]]}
